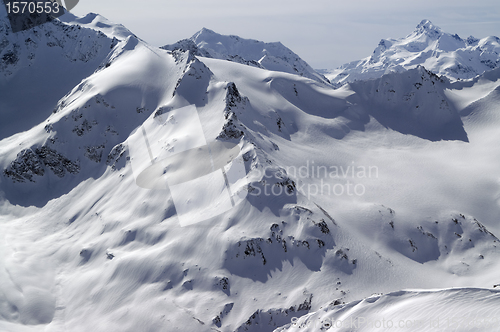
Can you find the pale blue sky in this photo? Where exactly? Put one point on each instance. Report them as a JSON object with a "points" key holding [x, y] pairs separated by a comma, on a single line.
{"points": [[325, 33]]}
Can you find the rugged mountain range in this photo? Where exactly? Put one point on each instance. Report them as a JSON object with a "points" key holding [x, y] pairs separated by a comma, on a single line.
{"points": [[271, 56], [442, 53], [374, 187]]}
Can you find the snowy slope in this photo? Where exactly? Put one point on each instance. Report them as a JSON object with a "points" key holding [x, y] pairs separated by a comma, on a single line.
{"points": [[457, 309], [412, 102], [271, 56], [99, 23], [38, 67], [84, 247], [440, 52], [92, 120]]}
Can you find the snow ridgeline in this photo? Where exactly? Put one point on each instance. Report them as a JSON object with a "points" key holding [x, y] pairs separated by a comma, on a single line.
{"points": [[84, 248], [270, 56], [455, 309], [440, 52]]}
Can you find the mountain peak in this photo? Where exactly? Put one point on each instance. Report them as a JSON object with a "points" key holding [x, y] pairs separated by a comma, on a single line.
{"points": [[426, 26], [204, 31], [443, 53], [272, 56]]}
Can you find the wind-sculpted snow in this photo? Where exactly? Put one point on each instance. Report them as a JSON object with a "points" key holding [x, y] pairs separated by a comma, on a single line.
{"points": [[428, 46], [412, 102], [455, 238], [99, 23], [459, 309], [377, 186], [91, 120]]}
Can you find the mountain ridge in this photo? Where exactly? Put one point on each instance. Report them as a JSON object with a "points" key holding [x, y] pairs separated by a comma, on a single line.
{"points": [[84, 247], [46, 52], [271, 56], [442, 53]]}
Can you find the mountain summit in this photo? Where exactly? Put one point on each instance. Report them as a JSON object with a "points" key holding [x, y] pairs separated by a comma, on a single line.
{"points": [[272, 56], [426, 26], [440, 52]]}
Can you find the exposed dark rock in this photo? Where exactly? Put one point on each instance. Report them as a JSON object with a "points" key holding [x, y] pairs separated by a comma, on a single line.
{"points": [[31, 162], [232, 127], [94, 153], [115, 156]]}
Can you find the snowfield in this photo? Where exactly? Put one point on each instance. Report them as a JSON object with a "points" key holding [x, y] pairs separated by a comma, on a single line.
{"points": [[375, 202], [415, 310]]}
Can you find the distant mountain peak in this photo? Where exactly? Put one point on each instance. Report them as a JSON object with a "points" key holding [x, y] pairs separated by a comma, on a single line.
{"points": [[429, 46], [272, 56], [427, 26], [203, 31], [471, 40]]}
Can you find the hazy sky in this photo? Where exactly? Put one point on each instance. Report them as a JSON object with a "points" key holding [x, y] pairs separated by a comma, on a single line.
{"points": [[325, 33]]}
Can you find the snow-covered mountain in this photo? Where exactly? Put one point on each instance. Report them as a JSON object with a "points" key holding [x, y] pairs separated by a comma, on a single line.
{"points": [[374, 187], [271, 56], [62, 52], [408, 310], [440, 52]]}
